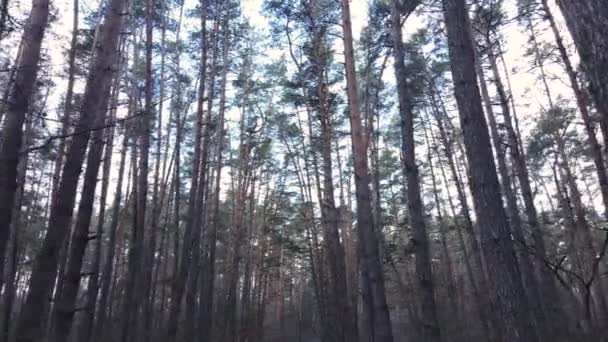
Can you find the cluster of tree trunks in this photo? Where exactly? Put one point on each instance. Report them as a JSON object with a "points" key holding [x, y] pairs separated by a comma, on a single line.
{"points": [[155, 227]]}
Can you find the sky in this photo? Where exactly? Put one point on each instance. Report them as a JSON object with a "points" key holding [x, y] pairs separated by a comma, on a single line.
{"points": [[527, 90]]}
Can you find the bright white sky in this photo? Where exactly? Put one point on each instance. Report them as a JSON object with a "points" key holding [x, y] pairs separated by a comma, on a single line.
{"points": [[526, 89]]}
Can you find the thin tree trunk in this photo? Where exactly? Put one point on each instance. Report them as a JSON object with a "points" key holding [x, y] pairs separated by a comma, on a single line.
{"points": [[475, 270], [443, 233], [426, 290], [149, 255], [194, 200], [69, 95], [548, 292], [207, 294], [108, 265]]}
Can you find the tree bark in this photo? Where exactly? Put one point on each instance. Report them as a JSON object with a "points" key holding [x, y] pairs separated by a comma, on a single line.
{"points": [[525, 264], [189, 238], [587, 21], [30, 325], [426, 289], [496, 243], [21, 90], [368, 237], [208, 286]]}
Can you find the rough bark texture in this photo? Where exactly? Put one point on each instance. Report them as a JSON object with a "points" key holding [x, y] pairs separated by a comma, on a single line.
{"points": [[525, 264], [80, 238], [22, 88], [30, 325], [496, 243]]}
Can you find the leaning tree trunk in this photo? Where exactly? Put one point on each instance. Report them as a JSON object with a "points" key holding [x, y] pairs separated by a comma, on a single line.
{"points": [[452, 290], [587, 21], [30, 325], [554, 314], [10, 285], [22, 88], [583, 105], [525, 263], [108, 266], [86, 325], [80, 238], [496, 243]]}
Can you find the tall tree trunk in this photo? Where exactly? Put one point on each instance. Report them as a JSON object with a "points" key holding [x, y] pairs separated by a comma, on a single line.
{"points": [[368, 237], [17, 220], [341, 314], [208, 286], [548, 292], [525, 264], [587, 21], [108, 265], [496, 243], [66, 305], [190, 238], [85, 327], [150, 251], [69, 98], [21, 90], [443, 233], [136, 276], [475, 270], [583, 105], [128, 309], [430, 323], [30, 325]]}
